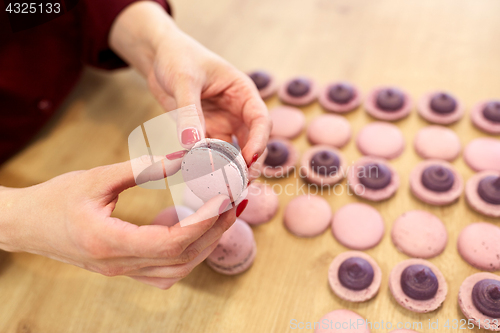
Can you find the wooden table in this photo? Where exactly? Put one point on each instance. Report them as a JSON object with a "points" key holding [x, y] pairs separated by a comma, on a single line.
{"points": [[419, 45]]}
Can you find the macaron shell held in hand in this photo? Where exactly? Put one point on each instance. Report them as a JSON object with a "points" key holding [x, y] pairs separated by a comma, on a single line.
{"points": [[306, 99], [437, 142], [426, 112], [467, 305], [342, 318], [381, 139], [419, 306], [419, 234], [190, 199], [483, 154], [307, 215], [332, 106], [474, 199], [288, 122], [377, 113], [315, 178], [263, 204], [329, 129], [481, 122], [479, 245]]}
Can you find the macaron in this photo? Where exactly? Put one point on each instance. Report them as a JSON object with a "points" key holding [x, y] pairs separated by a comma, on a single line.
{"points": [[214, 167], [419, 234], [236, 250], [298, 91], [485, 115], [189, 199], [281, 158], [436, 182], [323, 165], [483, 154], [479, 300], [381, 139], [437, 142], [307, 215], [388, 103], [263, 204], [373, 179], [340, 97], [358, 226], [482, 192], [418, 285], [329, 129], [342, 321], [440, 107], [172, 215], [288, 122], [266, 83], [354, 276], [479, 245]]}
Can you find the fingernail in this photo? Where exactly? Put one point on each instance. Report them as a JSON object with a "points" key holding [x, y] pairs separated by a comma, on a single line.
{"points": [[176, 155], [241, 207], [254, 158], [224, 205], [190, 136]]}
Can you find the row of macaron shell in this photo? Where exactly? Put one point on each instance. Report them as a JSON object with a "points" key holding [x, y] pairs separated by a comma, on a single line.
{"points": [[383, 103]]}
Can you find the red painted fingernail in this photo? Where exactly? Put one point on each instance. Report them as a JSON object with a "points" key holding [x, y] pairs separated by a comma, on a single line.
{"points": [[241, 207], [176, 155], [224, 205], [254, 158], [190, 136]]}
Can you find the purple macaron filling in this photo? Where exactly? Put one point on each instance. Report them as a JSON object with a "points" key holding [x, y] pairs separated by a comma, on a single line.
{"points": [[261, 79], [486, 297], [438, 178], [489, 189], [375, 176], [341, 93], [277, 154], [491, 111], [390, 99], [419, 282], [325, 163], [298, 87], [443, 103], [356, 273]]}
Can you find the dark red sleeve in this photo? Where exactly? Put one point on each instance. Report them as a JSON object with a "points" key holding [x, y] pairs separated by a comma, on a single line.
{"points": [[96, 19]]}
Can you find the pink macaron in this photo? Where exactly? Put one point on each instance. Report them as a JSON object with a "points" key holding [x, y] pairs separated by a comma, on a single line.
{"points": [[437, 142], [266, 83], [358, 226], [419, 234], [288, 122], [263, 204], [479, 245], [418, 285], [373, 179], [478, 299], [440, 107], [323, 165], [298, 91], [340, 97], [482, 192], [485, 115], [236, 250], [354, 276], [307, 215], [388, 104], [342, 321], [329, 129], [483, 154], [436, 182], [281, 159], [381, 139], [190, 199]]}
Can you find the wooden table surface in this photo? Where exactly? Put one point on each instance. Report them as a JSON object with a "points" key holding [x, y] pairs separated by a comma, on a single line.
{"points": [[418, 45]]}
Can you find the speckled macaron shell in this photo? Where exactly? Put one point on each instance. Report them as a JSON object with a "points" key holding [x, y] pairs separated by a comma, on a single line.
{"points": [[313, 177], [172, 215], [481, 122], [329, 129], [358, 226], [287, 167], [270, 89], [288, 122], [307, 215], [190, 199], [373, 110], [381, 139], [331, 106], [413, 304], [437, 142], [479, 245], [236, 250], [263, 204], [371, 194], [431, 197], [419, 234], [341, 318], [428, 114], [298, 101], [467, 305], [346, 293], [473, 198], [483, 154]]}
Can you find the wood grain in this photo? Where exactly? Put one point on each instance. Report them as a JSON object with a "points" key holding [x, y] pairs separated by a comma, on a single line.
{"points": [[418, 45]]}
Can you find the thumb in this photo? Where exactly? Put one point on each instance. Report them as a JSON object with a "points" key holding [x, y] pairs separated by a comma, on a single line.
{"points": [[190, 119]]}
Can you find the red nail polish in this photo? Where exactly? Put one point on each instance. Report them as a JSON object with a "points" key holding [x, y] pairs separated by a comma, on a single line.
{"points": [[241, 207], [176, 155], [224, 205], [190, 136], [254, 158]]}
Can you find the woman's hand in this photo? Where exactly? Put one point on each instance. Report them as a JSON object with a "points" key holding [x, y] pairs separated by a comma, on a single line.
{"points": [[180, 69], [68, 218]]}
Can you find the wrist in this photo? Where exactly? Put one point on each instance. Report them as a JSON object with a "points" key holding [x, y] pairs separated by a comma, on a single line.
{"points": [[9, 211]]}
